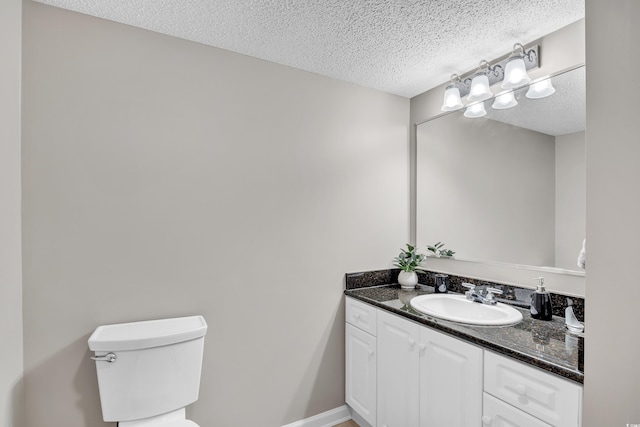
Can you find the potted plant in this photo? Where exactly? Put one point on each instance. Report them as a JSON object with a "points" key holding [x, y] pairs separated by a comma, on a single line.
{"points": [[409, 262], [439, 251]]}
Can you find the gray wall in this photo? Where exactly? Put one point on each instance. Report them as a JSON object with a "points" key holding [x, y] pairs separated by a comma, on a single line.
{"points": [[612, 371], [570, 198], [166, 178], [10, 241], [486, 189]]}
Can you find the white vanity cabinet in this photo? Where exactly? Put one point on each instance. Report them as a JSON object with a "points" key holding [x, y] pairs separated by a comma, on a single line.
{"points": [[549, 398], [361, 359], [403, 374]]}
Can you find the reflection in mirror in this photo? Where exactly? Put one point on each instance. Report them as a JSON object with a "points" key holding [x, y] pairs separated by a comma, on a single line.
{"points": [[508, 187]]}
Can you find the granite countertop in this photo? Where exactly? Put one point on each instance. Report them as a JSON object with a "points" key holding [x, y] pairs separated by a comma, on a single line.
{"points": [[545, 344]]}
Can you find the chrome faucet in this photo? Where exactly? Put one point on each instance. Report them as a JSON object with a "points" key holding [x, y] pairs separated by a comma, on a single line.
{"points": [[476, 296]]}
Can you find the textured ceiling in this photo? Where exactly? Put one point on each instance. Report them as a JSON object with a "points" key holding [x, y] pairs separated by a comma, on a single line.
{"points": [[559, 114], [403, 47]]}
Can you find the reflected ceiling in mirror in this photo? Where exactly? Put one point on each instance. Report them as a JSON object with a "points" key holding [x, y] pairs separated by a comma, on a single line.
{"points": [[508, 187]]}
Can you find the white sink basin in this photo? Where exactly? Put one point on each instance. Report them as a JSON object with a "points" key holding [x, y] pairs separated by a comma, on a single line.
{"points": [[459, 309]]}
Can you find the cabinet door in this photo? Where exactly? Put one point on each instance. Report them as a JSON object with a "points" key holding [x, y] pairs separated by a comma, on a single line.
{"points": [[360, 385], [496, 413], [450, 381], [398, 376]]}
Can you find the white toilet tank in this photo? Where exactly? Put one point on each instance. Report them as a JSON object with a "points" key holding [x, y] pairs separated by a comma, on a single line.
{"points": [[148, 368]]}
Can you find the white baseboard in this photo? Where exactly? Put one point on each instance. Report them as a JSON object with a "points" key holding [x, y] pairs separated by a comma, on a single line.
{"points": [[325, 419], [357, 418]]}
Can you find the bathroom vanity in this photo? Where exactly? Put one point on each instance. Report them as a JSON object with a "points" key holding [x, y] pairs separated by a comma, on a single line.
{"points": [[407, 369]]}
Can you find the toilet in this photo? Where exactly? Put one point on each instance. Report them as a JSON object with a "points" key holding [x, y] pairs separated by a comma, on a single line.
{"points": [[148, 372]]}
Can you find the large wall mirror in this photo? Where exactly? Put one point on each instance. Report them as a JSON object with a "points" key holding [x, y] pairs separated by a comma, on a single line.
{"points": [[508, 187]]}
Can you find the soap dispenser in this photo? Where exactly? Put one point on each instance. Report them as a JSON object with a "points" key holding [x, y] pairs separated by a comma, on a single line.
{"points": [[541, 302]]}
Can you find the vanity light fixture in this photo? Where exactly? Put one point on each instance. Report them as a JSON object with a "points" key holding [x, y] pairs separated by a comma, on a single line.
{"points": [[504, 100], [452, 99], [515, 72], [541, 89], [480, 89], [474, 111], [512, 72]]}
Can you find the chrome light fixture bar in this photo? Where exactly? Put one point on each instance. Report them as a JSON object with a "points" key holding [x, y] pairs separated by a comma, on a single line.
{"points": [[476, 86]]}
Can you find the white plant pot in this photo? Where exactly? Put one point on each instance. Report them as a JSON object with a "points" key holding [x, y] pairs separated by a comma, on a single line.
{"points": [[408, 279]]}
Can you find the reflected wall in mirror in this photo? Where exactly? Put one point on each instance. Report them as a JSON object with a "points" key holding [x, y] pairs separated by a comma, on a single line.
{"points": [[508, 187]]}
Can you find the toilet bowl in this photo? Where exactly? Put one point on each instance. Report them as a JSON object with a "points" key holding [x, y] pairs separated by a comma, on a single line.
{"points": [[149, 371]]}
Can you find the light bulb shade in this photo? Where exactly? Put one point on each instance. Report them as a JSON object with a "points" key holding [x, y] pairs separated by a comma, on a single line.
{"points": [[452, 99], [540, 89], [515, 73], [479, 90], [475, 110], [504, 101]]}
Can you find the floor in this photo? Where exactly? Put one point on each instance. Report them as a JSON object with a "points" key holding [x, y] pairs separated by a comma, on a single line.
{"points": [[349, 423]]}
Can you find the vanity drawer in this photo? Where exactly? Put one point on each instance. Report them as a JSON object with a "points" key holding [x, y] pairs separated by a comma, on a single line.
{"points": [[496, 413], [361, 315], [552, 399]]}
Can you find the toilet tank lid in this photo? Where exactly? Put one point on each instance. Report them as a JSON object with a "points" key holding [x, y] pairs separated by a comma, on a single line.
{"points": [[147, 334]]}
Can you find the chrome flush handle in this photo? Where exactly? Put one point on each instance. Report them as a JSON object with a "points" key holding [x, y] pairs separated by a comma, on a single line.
{"points": [[109, 357]]}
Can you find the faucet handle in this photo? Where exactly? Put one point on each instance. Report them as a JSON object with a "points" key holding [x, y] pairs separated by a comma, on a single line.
{"points": [[471, 293], [489, 297]]}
